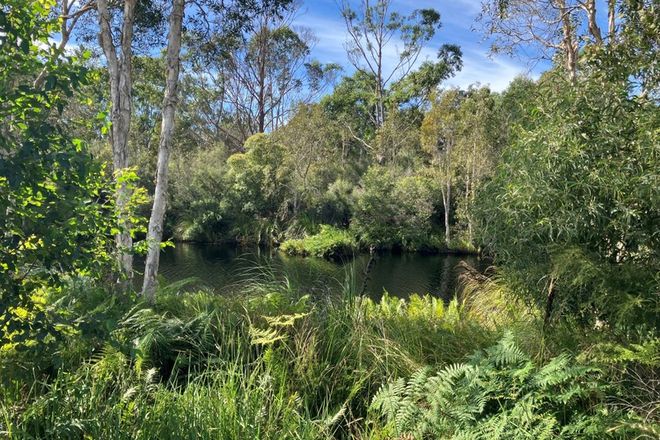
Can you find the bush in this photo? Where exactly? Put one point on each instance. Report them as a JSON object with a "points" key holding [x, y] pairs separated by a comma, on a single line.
{"points": [[501, 394], [330, 243], [273, 363], [197, 210], [393, 211], [573, 203]]}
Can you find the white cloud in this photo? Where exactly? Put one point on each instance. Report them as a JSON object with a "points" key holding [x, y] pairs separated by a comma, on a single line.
{"points": [[330, 34], [478, 67], [495, 72]]}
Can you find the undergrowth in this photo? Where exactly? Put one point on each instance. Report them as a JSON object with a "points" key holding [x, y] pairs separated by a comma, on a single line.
{"points": [[276, 364]]}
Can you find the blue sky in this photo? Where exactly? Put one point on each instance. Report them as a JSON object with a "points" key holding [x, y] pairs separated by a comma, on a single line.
{"points": [[324, 19]]}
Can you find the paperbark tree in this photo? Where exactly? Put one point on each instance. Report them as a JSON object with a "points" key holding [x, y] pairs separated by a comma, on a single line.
{"points": [[476, 147], [439, 134], [155, 231], [119, 64]]}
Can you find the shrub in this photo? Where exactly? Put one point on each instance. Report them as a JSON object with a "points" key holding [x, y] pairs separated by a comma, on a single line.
{"points": [[573, 203], [393, 211], [331, 243], [500, 394]]}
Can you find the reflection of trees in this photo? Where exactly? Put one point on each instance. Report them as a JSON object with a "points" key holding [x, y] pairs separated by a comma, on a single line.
{"points": [[228, 269]]}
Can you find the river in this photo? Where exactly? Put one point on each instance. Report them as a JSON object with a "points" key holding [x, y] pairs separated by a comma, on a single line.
{"points": [[224, 269]]}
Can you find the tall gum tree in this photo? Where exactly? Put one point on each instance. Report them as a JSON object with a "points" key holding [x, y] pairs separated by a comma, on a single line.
{"points": [[155, 231], [259, 73], [119, 65], [374, 30], [557, 30], [440, 134]]}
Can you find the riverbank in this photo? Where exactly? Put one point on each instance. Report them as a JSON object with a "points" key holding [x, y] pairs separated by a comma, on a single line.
{"points": [[335, 244], [275, 364]]}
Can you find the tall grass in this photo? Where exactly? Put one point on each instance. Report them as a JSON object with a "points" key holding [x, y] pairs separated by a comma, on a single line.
{"points": [[272, 363]]}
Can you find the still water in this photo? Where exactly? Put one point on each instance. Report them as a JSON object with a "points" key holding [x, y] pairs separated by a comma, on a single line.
{"points": [[225, 269]]}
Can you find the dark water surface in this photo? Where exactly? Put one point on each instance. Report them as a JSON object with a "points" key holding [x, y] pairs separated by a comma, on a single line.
{"points": [[225, 268]]}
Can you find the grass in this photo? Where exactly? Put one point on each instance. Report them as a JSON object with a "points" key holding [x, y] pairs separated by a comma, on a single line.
{"points": [[330, 243], [269, 364]]}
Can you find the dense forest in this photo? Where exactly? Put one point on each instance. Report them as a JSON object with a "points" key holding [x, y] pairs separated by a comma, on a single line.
{"points": [[131, 126]]}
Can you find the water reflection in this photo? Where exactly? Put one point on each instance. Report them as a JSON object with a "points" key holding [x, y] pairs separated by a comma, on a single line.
{"points": [[225, 268]]}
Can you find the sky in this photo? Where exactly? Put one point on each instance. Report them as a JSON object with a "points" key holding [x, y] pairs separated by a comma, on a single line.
{"points": [[458, 27]]}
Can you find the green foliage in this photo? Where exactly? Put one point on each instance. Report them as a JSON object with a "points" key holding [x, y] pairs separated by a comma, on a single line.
{"points": [[257, 182], [570, 213], [501, 394], [393, 211], [330, 243], [337, 203], [582, 185], [56, 203], [269, 364], [352, 102], [272, 363], [198, 210], [418, 85], [128, 404]]}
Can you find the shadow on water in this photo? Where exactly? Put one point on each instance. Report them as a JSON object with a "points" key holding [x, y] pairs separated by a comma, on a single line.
{"points": [[225, 269]]}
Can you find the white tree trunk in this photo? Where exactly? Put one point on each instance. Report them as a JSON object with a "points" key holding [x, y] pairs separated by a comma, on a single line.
{"points": [[446, 203], [568, 40], [611, 21], [155, 233], [119, 72], [589, 7]]}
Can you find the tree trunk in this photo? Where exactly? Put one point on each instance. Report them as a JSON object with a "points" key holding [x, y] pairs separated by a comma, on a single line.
{"points": [[568, 40], [611, 24], [446, 203], [155, 233], [380, 105], [261, 105], [119, 72], [473, 191], [594, 29]]}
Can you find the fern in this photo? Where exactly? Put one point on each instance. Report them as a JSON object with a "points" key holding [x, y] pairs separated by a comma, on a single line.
{"points": [[498, 394]]}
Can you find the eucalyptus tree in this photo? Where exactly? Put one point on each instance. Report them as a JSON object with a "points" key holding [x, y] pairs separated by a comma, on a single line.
{"points": [[119, 58], [239, 10], [476, 148], [264, 71], [556, 30], [118, 27], [114, 29], [260, 72], [440, 134], [374, 31], [155, 230]]}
